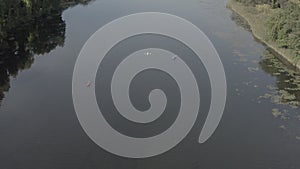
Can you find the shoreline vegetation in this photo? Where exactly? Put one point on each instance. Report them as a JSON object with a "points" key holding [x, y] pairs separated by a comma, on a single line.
{"points": [[272, 23]]}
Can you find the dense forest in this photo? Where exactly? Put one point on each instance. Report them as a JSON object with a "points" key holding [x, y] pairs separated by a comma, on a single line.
{"points": [[24, 32], [284, 23]]}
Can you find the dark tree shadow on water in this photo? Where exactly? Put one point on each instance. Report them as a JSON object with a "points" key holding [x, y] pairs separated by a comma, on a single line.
{"points": [[29, 28]]}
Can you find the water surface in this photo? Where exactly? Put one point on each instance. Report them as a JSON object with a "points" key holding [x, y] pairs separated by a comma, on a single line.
{"points": [[38, 125]]}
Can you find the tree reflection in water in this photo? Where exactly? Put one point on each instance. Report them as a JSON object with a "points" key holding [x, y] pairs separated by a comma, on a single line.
{"points": [[285, 94], [288, 80], [29, 28]]}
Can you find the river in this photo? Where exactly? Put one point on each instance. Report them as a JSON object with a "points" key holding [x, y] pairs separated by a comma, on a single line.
{"points": [[260, 128]]}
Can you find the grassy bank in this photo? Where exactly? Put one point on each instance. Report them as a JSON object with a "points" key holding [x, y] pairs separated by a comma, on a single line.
{"points": [[258, 18]]}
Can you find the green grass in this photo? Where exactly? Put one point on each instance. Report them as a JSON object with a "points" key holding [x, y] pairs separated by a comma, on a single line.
{"points": [[277, 28]]}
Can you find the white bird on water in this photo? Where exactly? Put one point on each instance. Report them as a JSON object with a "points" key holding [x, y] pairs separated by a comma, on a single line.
{"points": [[148, 53]]}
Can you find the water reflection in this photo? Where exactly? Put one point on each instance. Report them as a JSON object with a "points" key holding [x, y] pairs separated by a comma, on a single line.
{"points": [[29, 28], [281, 94], [287, 89], [288, 80], [285, 93]]}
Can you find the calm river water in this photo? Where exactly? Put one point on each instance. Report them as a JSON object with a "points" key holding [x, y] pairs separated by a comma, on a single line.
{"points": [[260, 128]]}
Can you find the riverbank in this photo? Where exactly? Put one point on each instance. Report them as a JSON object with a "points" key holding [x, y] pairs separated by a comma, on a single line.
{"points": [[257, 17]]}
